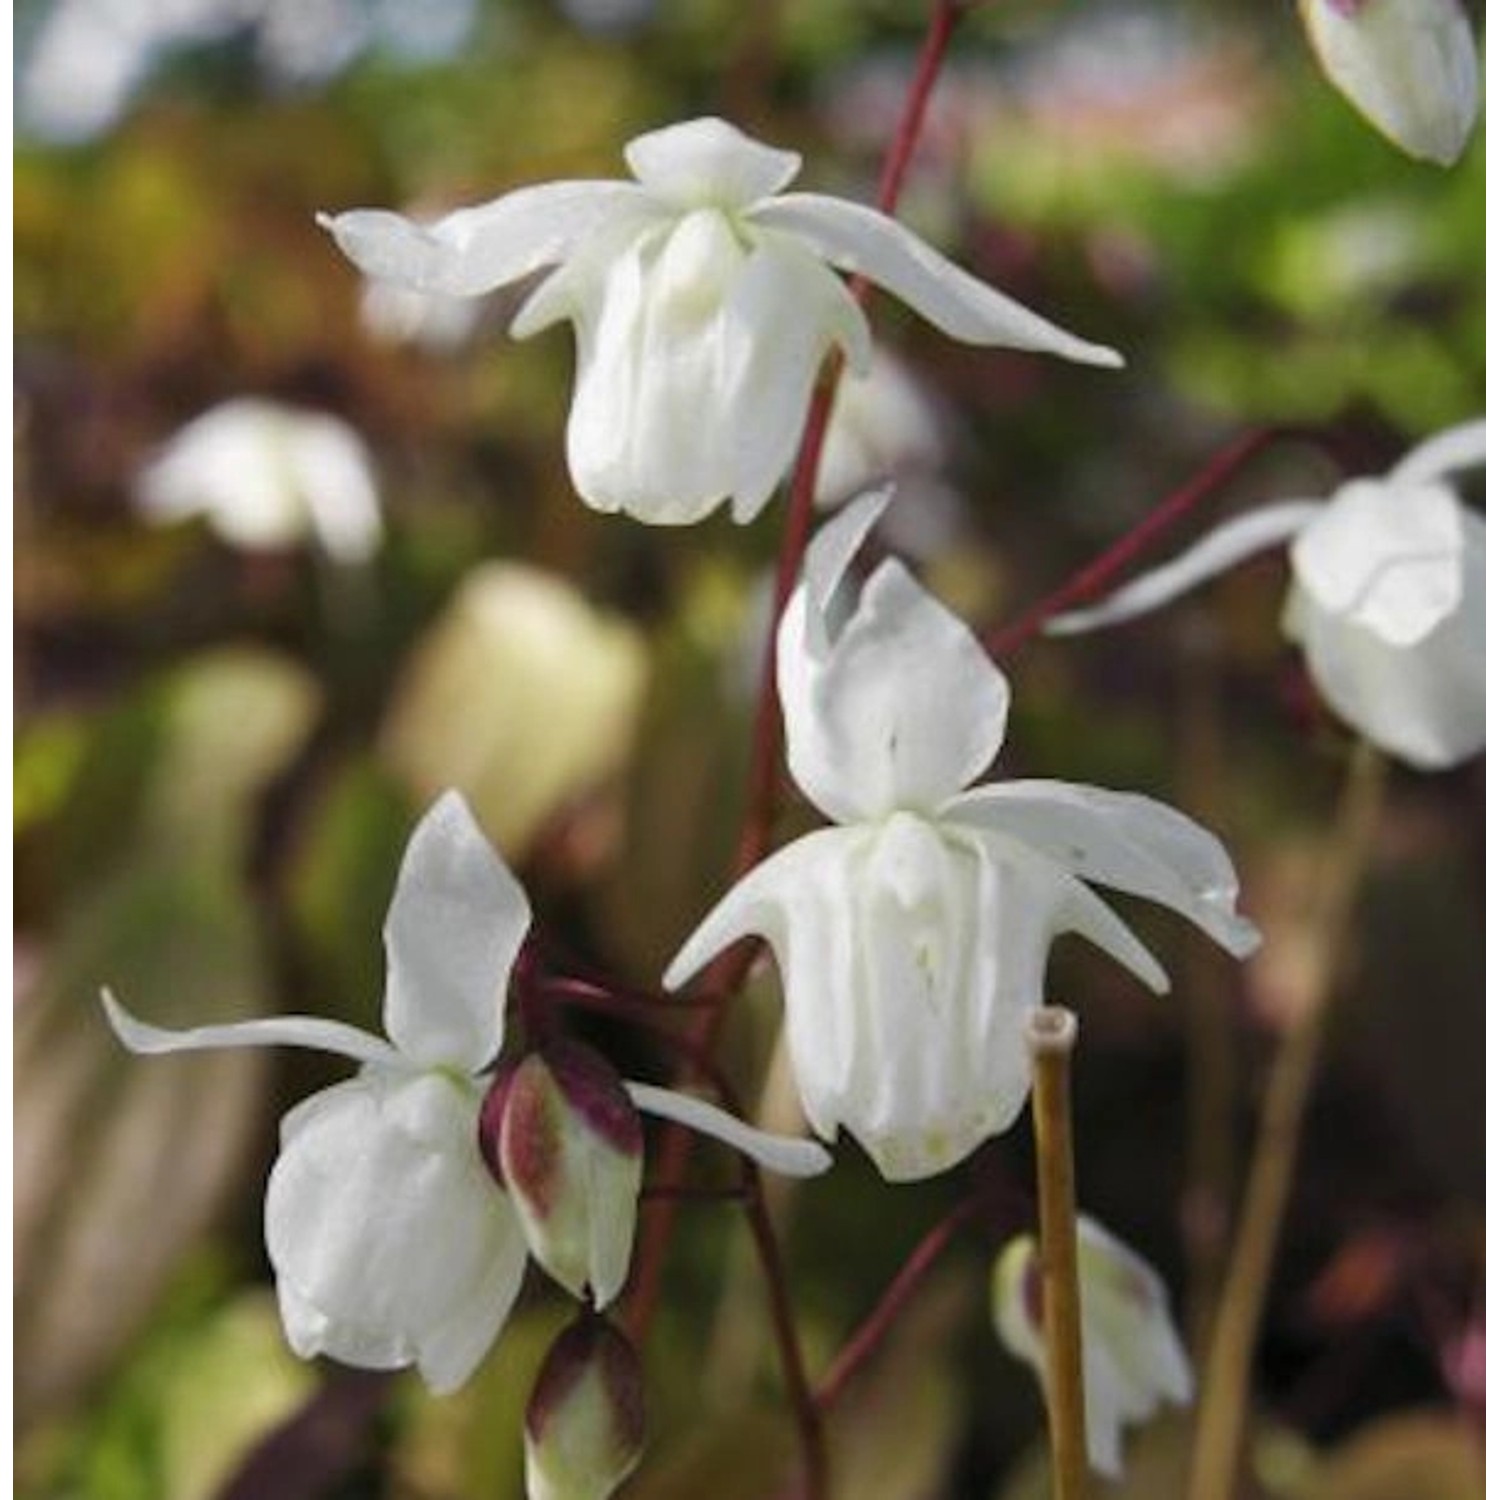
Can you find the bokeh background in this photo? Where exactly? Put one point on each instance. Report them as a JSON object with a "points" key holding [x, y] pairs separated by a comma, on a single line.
{"points": [[223, 740]]}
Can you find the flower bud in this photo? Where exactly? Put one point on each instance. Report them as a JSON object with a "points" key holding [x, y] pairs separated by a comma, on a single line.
{"points": [[562, 1137], [1408, 66], [586, 1421], [1133, 1359]]}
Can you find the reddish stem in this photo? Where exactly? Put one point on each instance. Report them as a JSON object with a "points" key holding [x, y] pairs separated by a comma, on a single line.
{"points": [[1091, 581], [725, 976], [868, 1336]]}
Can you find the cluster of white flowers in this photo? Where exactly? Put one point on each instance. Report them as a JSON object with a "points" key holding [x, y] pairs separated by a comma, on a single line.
{"points": [[913, 935]]}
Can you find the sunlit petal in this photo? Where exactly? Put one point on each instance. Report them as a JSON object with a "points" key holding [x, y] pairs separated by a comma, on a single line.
{"points": [[475, 250], [778, 1153], [708, 163], [455, 925], [855, 238]]}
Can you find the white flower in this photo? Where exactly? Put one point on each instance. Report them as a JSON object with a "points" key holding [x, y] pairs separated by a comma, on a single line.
{"points": [[1408, 66], [1387, 598], [391, 1243], [1133, 1359], [912, 938], [703, 303], [266, 477]]}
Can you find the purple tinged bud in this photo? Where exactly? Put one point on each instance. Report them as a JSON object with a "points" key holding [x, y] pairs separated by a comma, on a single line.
{"points": [[562, 1137], [586, 1420]]}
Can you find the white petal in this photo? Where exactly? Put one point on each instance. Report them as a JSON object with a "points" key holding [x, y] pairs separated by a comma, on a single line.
{"points": [[855, 238], [708, 163], [477, 249], [1122, 840], [907, 963], [1215, 553], [654, 343], [1423, 703], [1455, 448], [1408, 66], [827, 561], [903, 710], [1386, 556], [454, 928], [779, 1153], [391, 1244], [784, 314], [337, 481], [273, 1031]]}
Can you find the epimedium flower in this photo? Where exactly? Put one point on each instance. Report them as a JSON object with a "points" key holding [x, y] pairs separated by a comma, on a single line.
{"points": [[912, 937], [703, 298], [266, 476], [391, 1243], [1387, 598], [1133, 1359], [1408, 66]]}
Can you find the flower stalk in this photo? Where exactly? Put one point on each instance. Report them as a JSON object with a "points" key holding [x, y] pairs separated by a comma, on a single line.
{"points": [[1051, 1035], [1226, 1385]]}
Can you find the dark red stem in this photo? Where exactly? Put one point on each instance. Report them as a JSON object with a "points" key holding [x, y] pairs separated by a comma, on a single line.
{"points": [[869, 1335], [1091, 581]]}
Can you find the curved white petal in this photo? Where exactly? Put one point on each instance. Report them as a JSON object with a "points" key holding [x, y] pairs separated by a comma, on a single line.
{"points": [[1119, 839], [1446, 452], [855, 238], [477, 249], [902, 710], [784, 1154], [1408, 66], [708, 163], [826, 563], [455, 925], [274, 1031], [1386, 556], [1423, 703], [1215, 553], [391, 1244]]}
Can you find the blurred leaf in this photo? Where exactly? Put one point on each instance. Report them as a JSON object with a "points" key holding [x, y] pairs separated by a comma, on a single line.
{"points": [[177, 768], [1413, 1456], [342, 872], [162, 914]]}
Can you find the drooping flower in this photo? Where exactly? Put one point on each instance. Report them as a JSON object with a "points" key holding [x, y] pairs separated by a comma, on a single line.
{"points": [[912, 938], [703, 300], [1408, 66], [391, 1243], [1387, 598], [1133, 1359], [267, 477]]}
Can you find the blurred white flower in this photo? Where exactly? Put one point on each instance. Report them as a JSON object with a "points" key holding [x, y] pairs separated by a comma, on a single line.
{"points": [[884, 426], [267, 477], [1133, 1359], [703, 299], [1387, 598], [391, 1243], [913, 937], [1408, 66]]}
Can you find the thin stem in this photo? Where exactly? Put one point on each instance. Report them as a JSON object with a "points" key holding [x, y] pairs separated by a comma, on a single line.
{"points": [[869, 1335], [1226, 1385], [809, 1417], [725, 976], [1092, 580], [1051, 1034]]}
